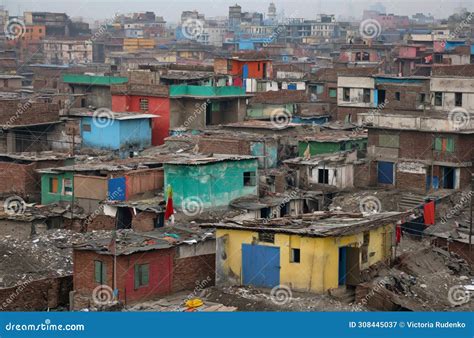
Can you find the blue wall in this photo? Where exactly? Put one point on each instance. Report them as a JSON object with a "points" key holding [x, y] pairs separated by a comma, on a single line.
{"points": [[116, 134]]}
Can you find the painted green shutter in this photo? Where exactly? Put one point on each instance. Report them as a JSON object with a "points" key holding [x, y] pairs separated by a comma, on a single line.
{"points": [[137, 276], [450, 144], [97, 271], [438, 144], [104, 273], [145, 274]]}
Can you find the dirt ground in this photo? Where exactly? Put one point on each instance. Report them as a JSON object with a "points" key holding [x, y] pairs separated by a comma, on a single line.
{"points": [[247, 298]]}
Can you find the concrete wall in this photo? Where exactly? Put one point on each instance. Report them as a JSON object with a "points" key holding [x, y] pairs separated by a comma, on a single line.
{"points": [[449, 86]]}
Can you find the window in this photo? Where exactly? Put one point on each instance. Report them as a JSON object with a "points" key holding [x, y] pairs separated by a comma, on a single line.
{"points": [[268, 237], [444, 144], [144, 104], [53, 185], [323, 176], [100, 272], [346, 94], [366, 97], [381, 97], [438, 99], [295, 256], [332, 92], [421, 98], [458, 99], [250, 179], [141, 275], [86, 127], [397, 96], [67, 186]]}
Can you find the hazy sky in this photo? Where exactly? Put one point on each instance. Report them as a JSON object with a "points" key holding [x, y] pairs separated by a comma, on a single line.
{"points": [[171, 9]]}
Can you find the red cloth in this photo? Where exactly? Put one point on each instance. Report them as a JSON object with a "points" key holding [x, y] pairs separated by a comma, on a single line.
{"points": [[429, 213], [169, 208], [398, 233]]}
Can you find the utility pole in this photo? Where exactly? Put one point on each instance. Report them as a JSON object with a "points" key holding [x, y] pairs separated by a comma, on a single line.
{"points": [[470, 217]]}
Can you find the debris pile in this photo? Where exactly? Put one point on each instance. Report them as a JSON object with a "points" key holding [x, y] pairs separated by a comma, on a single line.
{"points": [[420, 280], [45, 255]]}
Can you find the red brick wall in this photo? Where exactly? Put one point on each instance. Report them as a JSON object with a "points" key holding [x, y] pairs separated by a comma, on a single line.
{"points": [[191, 271], [160, 271], [420, 145], [223, 146], [101, 222], [20, 179], [166, 273], [410, 181], [38, 295], [144, 221], [361, 175]]}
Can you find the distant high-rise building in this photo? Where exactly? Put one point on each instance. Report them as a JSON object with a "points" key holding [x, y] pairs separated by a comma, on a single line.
{"points": [[235, 17], [272, 12]]}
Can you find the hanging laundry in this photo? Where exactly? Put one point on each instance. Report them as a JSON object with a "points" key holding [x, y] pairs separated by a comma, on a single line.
{"points": [[429, 213]]}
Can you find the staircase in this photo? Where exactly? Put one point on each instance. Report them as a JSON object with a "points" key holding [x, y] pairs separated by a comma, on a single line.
{"points": [[410, 201]]}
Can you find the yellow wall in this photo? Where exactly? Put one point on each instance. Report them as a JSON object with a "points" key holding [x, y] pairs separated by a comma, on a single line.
{"points": [[132, 44], [318, 269]]}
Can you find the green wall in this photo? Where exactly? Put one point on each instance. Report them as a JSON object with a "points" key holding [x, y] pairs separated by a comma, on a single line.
{"points": [[48, 197], [214, 184], [317, 148], [206, 91]]}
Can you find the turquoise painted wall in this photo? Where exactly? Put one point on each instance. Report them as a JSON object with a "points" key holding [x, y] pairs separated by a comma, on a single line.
{"points": [[206, 91], [214, 185], [47, 196], [267, 154]]}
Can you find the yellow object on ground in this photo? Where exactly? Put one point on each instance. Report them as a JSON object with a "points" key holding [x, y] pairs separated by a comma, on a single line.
{"points": [[193, 303]]}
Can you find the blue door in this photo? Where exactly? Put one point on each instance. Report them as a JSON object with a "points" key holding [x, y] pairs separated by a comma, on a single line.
{"points": [[342, 265], [385, 172], [260, 265], [117, 189]]}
